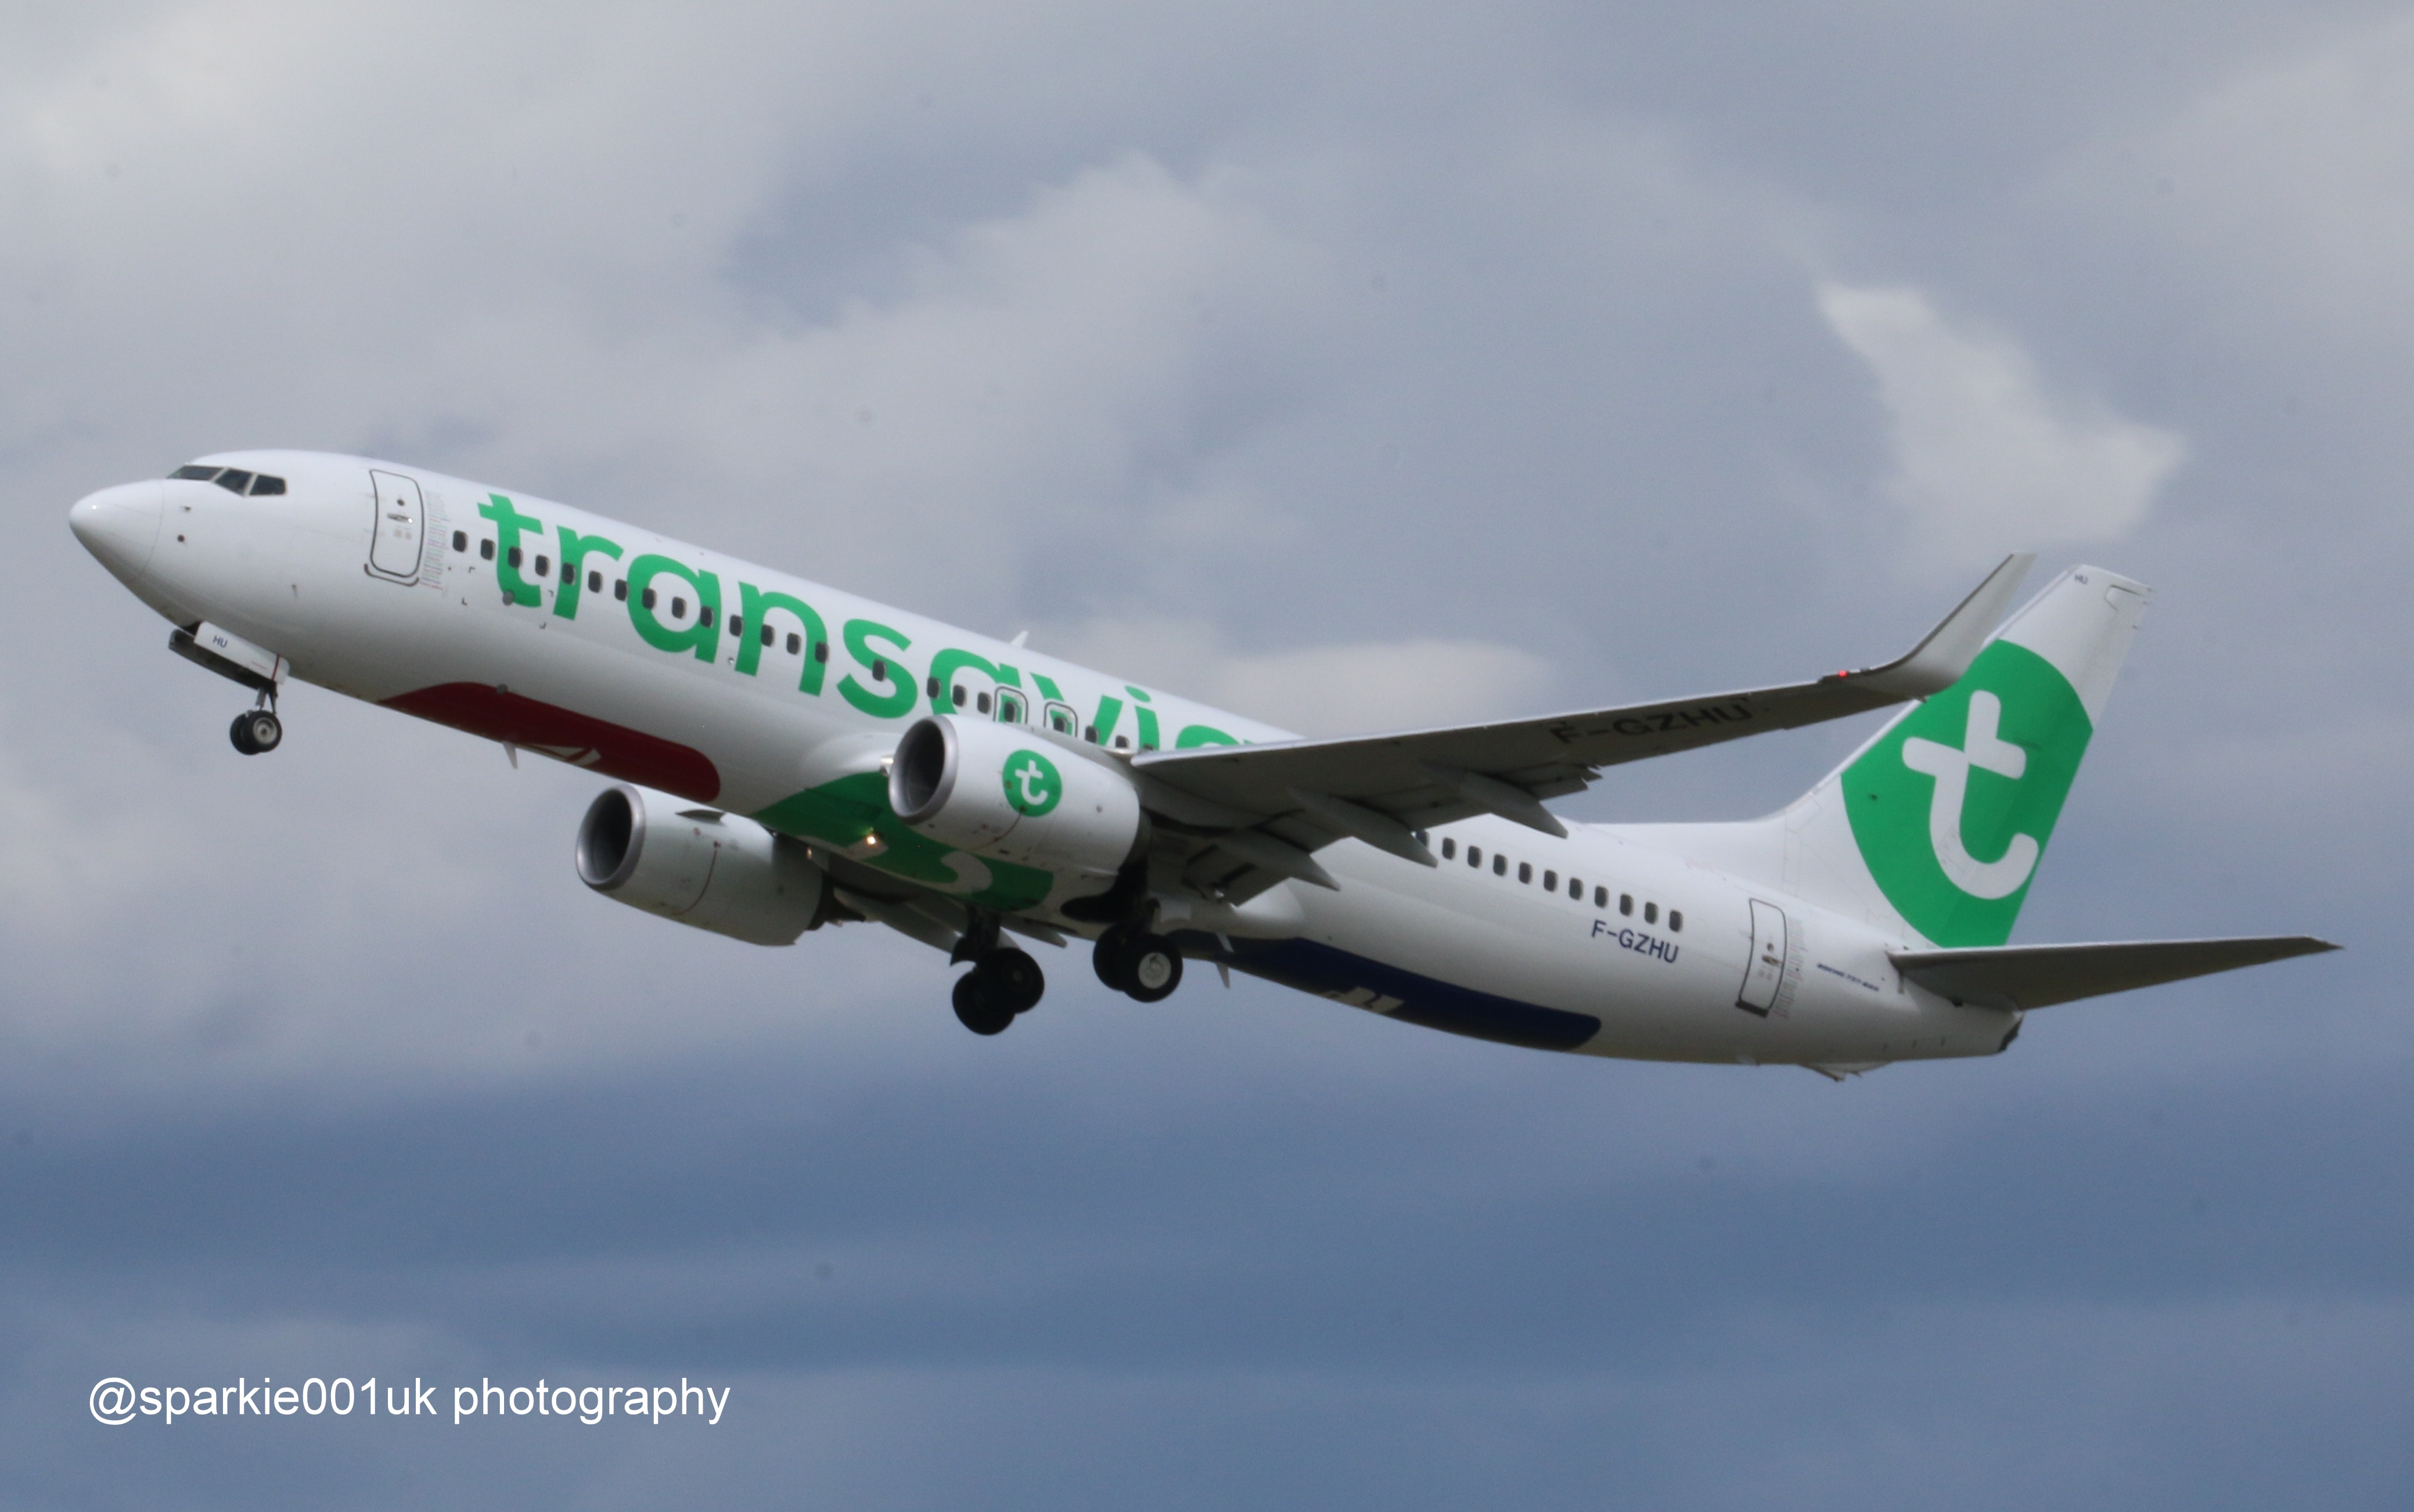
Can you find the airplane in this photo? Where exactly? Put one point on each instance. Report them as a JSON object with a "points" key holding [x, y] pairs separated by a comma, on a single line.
{"points": [[786, 757]]}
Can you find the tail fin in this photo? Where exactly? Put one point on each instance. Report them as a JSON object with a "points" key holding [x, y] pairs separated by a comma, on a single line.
{"points": [[1938, 823]]}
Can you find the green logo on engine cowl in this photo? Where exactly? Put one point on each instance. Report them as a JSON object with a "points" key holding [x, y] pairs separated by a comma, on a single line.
{"points": [[1032, 786], [1953, 809]]}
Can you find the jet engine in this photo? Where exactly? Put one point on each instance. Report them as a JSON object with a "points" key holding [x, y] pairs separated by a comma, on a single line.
{"points": [[998, 790], [699, 867]]}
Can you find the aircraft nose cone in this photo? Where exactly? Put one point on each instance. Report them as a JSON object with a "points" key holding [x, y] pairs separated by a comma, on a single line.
{"points": [[120, 525]]}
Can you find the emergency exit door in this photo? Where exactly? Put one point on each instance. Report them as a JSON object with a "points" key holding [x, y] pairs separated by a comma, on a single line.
{"points": [[401, 513], [1765, 972]]}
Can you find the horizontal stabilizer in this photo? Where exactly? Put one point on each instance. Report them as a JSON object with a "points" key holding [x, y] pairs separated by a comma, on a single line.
{"points": [[2040, 976]]}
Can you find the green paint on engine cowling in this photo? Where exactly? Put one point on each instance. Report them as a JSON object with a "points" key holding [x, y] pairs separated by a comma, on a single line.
{"points": [[849, 810]]}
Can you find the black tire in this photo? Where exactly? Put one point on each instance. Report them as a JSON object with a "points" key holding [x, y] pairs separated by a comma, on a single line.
{"points": [[1108, 958], [262, 732], [1151, 968], [239, 733], [978, 1009], [1012, 978]]}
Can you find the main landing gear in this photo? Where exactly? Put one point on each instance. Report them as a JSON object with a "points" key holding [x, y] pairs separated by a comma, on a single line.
{"points": [[1135, 962], [1004, 981], [258, 731]]}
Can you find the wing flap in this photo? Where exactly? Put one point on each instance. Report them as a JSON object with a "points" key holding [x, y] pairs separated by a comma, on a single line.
{"points": [[2040, 976]]}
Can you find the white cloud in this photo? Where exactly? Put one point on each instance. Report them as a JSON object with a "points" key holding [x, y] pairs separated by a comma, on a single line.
{"points": [[1986, 457]]}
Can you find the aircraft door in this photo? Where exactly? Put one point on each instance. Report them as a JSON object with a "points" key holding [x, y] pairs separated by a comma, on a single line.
{"points": [[394, 549], [1765, 972], [1009, 706]]}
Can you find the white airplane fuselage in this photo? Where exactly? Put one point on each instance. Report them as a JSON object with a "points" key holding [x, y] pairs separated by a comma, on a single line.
{"points": [[1614, 941]]}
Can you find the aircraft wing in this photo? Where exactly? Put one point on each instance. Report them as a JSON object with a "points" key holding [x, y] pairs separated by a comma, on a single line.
{"points": [[2040, 976], [1273, 804]]}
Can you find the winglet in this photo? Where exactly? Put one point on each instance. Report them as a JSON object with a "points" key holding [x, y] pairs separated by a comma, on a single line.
{"points": [[1938, 663]]}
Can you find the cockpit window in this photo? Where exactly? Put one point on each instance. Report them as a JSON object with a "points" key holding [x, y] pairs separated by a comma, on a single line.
{"points": [[233, 480]]}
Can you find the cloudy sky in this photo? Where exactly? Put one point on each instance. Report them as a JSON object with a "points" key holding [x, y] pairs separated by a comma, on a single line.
{"points": [[1346, 364]]}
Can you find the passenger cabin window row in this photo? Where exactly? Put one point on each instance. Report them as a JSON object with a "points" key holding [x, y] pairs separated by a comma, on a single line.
{"points": [[1575, 887], [233, 480]]}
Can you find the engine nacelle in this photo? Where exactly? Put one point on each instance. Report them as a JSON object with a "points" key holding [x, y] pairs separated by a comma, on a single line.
{"points": [[996, 789], [700, 866]]}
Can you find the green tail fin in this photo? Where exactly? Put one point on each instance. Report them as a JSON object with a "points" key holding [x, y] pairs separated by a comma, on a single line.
{"points": [[1951, 807]]}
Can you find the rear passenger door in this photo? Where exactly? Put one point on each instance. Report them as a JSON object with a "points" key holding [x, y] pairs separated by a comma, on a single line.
{"points": [[1765, 972]]}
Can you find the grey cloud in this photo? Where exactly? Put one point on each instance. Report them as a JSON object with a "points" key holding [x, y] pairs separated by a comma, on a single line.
{"points": [[1336, 333]]}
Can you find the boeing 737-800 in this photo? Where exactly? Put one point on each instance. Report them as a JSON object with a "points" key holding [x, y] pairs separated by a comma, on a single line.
{"points": [[787, 756]]}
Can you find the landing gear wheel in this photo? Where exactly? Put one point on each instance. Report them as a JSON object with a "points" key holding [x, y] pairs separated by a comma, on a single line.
{"points": [[256, 731], [978, 1009], [1151, 968], [1012, 979], [1107, 958]]}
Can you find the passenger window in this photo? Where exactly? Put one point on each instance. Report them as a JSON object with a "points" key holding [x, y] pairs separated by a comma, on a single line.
{"points": [[1122, 742], [767, 634], [678, 607], [1575, 888], [1676, 921], [931, 686], [1499, 865], [982, 706], [515, 557], [1475, 856], [1600, 897], [796, 641], [1524, 871], [1651, 914], [594, 582], [960, 695], [460, 540], [263, 484], [568, 572], [1626, 902], [195, 472], [820, 650], [235, 479], [738, 627], [1090, 733], [620, 589], [486, 551], [1550, 881], [880, 669], [543, 565], [646, 599], [1449, 849]]}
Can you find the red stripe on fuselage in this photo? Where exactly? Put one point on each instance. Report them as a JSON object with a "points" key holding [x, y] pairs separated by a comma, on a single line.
{"points": [[613, 749]]}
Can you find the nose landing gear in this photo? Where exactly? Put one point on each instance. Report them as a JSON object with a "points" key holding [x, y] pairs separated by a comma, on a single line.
{"points": [[256, 731]]}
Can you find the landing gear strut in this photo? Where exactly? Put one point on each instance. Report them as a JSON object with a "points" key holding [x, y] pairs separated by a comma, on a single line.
{"points": [[1004, 981], [1135, 962], [258, 731]]}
